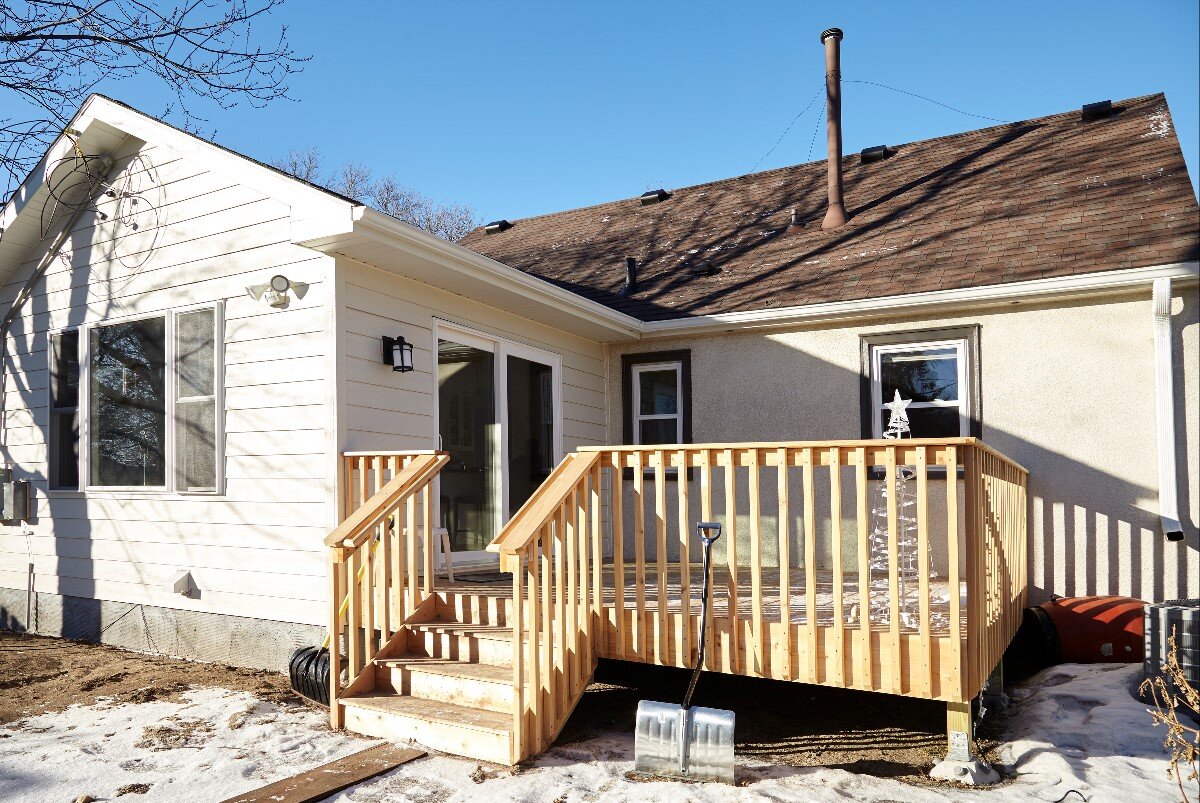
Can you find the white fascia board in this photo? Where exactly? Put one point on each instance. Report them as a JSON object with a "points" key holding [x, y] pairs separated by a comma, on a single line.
{"points": [[1087, 284], [455, 257], [319, 212]]}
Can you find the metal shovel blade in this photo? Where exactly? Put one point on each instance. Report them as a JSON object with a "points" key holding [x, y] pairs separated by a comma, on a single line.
{"points": [[692, 743]]}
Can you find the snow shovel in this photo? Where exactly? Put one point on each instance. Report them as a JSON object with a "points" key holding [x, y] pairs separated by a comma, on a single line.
{"points": [[682, 741]]}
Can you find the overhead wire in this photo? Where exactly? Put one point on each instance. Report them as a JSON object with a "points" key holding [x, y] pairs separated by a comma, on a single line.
{"points": [[816, 94]]}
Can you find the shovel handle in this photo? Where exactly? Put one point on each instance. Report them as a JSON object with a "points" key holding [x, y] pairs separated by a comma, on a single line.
{"points": [[709, 532]]}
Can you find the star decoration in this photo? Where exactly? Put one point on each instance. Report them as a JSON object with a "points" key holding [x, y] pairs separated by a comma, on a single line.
{"points": [[898, 406]]}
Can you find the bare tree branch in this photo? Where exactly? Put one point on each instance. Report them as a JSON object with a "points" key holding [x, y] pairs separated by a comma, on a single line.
{"points": [[53, 53], [449, 221]]}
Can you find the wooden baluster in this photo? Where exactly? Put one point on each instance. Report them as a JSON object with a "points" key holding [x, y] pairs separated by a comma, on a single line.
{"points": [[427, 548], [410, 553], [706, 514], [735, 626], [810, 564], [518, 626], [337, 592], [390, 609], [369, 590], [893, 536], [953, 534], [759, 664], [533, 736], [570, 603], [354, 642], [685, 563], [559, 609], [583, 616], [618, 530], [549, 710], [639, 554], [660, 556], [785, 568], [923, 565], [597, 608], [363, 479], [862, 491], [835, 521], [974, 622]]}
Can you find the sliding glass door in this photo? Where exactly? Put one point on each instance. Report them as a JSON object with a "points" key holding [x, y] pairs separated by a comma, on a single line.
{"points": [[500, 418], [467, 419]]}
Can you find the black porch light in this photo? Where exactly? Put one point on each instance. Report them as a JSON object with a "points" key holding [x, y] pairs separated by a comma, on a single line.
{"points": [[397, 352]]}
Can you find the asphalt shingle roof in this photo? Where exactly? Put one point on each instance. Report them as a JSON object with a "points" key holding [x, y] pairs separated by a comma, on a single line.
{"points": [[1048, 197]]}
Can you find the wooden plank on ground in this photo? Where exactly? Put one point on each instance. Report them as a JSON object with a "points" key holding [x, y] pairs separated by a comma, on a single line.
{"points": [[329, 779]]}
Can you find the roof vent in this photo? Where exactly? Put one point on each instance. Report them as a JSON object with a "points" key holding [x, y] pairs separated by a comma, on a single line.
{"points": [[497, 226], [653, 196], [1096, 111], [631, 277], [876, 154], [702, 267]]}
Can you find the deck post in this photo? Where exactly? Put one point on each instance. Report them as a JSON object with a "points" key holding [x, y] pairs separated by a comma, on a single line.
{"points": [[962, 763]]}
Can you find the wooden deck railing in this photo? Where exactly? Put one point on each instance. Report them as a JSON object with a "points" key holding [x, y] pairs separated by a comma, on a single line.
{"points": [[381, 559], [813, 575], [552, 546]]}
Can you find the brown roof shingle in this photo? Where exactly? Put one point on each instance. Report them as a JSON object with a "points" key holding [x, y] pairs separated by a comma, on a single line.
{"points": [[1047, 197]]}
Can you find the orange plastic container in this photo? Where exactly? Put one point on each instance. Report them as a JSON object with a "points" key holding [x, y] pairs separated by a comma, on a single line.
{"points": [[1098, 630]]}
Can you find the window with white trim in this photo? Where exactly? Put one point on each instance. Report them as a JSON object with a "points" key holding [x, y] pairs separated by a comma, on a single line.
{"points": [[934, 376], [148, 404], [64, 410], [657, 405]]}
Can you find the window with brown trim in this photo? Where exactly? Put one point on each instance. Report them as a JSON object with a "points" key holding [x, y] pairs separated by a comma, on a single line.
{"points": [[657, 397]]}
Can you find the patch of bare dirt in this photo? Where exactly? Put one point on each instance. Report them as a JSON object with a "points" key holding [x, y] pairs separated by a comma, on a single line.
{"points": [[794, 724], [40, 674]]}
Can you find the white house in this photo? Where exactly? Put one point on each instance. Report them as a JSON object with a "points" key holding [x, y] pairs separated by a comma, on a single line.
{"points": [[181, 420]]}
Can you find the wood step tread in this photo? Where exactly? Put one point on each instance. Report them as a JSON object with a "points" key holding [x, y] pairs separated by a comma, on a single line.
{"points": [[451, 668], [459, 628], [433, 711]]}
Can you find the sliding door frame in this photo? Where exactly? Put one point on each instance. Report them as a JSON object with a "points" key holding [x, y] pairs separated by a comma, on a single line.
{"points": [[502, 349]]}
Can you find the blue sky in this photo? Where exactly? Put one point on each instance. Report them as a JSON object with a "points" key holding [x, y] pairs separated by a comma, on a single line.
{"points": [[522, 108]]}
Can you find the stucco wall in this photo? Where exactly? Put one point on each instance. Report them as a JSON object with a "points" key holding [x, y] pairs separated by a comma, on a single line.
{"points": [[1067, 390]]}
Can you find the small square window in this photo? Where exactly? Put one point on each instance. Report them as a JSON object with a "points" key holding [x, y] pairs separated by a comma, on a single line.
{"points": [[933, 375], [657, 398]]}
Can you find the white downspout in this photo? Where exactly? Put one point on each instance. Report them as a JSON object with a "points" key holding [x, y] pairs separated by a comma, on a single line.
{"points": [[1164, 391]]}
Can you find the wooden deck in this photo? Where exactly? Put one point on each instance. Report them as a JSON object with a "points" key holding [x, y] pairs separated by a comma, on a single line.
{"points": [[603, 562], [939, 605]]}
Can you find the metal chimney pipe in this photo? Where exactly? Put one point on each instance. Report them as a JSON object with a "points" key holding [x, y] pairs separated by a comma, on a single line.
{"points": [[836, 215]]}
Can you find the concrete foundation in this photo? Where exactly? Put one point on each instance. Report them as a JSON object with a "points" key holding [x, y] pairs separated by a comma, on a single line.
{"points": [[972, 772], [215, 638]]}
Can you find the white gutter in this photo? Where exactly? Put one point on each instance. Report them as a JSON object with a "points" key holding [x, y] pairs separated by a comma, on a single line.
{"points": [[921, 303], [1164, 392]]}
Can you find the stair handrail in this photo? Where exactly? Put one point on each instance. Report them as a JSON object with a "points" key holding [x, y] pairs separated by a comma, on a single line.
{"points": [[537, 510], [359, 525]]}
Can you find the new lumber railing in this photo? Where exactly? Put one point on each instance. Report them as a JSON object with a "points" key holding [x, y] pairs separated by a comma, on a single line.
{"points": [[381, 560], [552, 546], [893, 566]]}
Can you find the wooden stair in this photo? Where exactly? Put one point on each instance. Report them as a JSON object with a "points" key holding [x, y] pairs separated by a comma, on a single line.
{"points": [[446, 683]]}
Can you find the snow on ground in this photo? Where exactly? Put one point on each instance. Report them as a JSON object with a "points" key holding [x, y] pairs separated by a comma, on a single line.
{"points": [[1072, 727], [216, 744]]}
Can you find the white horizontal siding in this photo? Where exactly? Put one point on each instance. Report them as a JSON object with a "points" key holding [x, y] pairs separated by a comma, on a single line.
{"points": [[258, 548], [388, 410]]}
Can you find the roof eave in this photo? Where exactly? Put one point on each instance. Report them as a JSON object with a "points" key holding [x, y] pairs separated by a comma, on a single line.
{"points": [[603, 323], [1037, 290]]}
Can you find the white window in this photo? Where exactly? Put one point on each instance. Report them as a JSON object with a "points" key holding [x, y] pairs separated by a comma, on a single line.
{"points": [[934, 376], [150, 392], [657, 403]]}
